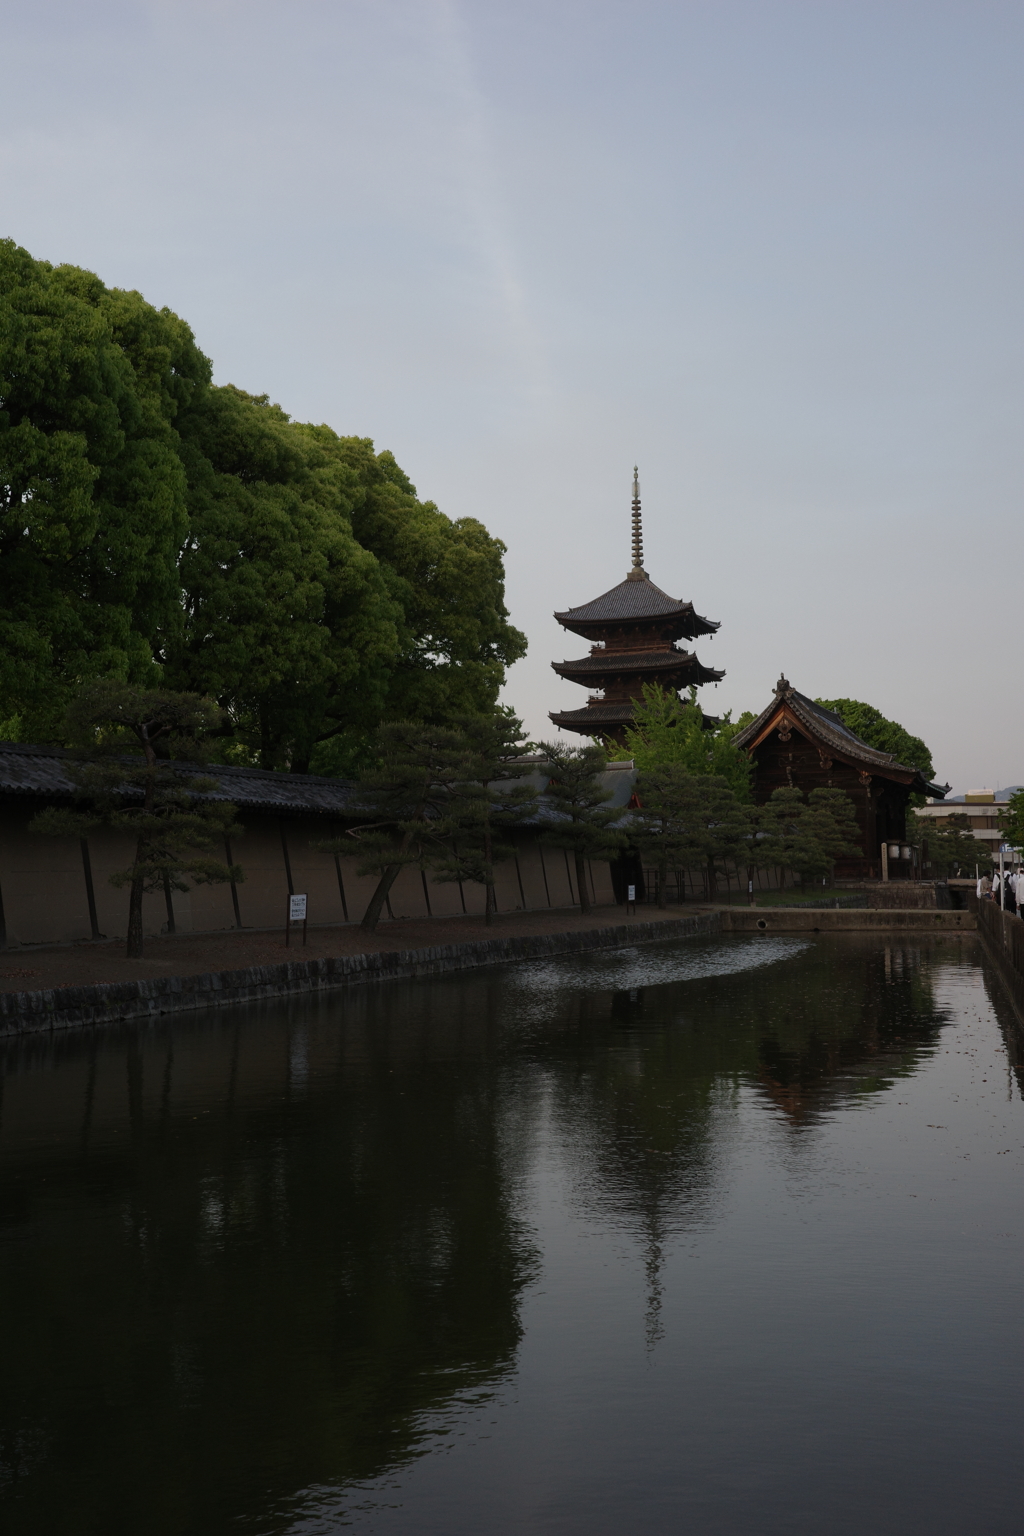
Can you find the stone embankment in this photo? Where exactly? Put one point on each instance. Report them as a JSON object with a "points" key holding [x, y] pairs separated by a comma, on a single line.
{"points": [[845, 920], [68, 1007], [1003, 938]]}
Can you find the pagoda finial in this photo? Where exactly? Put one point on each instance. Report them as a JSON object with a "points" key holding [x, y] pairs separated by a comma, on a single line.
{"points": [[638, 535]]}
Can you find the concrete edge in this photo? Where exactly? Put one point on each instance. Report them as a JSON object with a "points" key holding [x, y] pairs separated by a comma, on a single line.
{"points": [[113, 1002], [994, 942], [845, 920]]}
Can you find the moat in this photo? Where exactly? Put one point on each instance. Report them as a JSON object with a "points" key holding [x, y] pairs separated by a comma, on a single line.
{"points": [[714, 1236]]}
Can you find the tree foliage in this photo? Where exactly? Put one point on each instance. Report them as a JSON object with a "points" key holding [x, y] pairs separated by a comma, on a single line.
{"points": [[581, 821], [667, 729], [159, 529], [410, 803], [491, 804], [1012, 820], [157, 799], [952, 849], [804, 834], [884, 735], [684, 820], [93, 494]]}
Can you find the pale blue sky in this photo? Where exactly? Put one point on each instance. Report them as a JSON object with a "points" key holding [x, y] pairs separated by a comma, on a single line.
{"points": [[772, 252]]}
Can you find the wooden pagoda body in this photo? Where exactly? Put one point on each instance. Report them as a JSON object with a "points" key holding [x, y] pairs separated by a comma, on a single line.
{"points": [[798, 743], [634, 631]]}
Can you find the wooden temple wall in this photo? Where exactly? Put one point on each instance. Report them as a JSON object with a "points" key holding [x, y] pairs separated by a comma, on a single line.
{"points": [[44, 895], [881, 806]]}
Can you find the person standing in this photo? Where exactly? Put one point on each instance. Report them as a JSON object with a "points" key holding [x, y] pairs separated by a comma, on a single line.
{"points": [[984, 888]]}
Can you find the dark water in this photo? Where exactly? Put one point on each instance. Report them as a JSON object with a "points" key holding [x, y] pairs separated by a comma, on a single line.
{"points": [[709, 1237]]}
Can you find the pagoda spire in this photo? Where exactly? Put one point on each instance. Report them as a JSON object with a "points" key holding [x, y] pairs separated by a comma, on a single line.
{"points": [[638, 572]]}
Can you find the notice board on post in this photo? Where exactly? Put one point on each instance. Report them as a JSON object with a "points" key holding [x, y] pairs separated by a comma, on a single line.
{"points": [[297, 913]]}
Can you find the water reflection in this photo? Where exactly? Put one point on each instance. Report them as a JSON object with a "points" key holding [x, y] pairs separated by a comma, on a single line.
{"points": [[247, 1256], [285, 1248]]}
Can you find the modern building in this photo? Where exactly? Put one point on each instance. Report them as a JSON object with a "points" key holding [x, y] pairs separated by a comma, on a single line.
{"points": [[980, 806], [634, 629]]}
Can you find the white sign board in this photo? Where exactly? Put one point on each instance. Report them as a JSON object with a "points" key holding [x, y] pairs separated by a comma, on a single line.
{"points": [[296, 909], [632, 893]]}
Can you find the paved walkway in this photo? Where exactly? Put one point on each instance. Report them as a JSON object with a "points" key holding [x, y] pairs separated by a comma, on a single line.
{"points": [[88, 964]]}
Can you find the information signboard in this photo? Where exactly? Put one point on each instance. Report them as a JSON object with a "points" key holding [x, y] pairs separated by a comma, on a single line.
{"points": [[296, 914]]}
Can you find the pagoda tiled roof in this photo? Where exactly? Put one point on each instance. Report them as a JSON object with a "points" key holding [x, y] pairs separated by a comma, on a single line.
{"points": [[638, 661], [636, 598], [601, 714]]}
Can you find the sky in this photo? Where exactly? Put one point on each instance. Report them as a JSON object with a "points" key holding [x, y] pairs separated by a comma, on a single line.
{"points": [[769, 250]]}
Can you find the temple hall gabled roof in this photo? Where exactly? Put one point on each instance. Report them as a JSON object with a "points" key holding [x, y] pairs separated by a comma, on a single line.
{"points": [[636, 598], [825, 727]]}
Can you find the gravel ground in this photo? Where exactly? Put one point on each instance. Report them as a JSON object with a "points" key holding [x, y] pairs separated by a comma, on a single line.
{"points": [[71, 965]]}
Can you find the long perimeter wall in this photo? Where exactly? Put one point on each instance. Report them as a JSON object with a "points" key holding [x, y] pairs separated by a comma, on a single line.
{"points": [[45, 883]]}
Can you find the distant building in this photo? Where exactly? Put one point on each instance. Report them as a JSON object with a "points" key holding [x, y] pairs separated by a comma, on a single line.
{"points": [[634, 627], [800, 744], [980, 806]]}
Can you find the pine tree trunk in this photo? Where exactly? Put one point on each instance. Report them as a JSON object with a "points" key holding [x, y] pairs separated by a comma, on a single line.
{"points": [[490, 903], [371, 917], [662, 883], [712, 881], [581, 883], [134, 946]]}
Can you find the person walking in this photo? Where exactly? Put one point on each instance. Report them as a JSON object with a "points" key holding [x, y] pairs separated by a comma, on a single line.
{"points": [[984, 888]]}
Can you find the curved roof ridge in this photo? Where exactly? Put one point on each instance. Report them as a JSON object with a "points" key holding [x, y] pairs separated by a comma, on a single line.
{"points": [[632, 599], [830, 727]]}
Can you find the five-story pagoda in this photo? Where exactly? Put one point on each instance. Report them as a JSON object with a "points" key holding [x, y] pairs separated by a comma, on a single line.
{"points": [[634, 629]]}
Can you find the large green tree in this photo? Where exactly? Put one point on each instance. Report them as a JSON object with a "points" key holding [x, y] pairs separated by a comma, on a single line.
{"points": [[288, 620], [149, 520], [884, 735], [93, 495], [446, 579], [669, 730]]}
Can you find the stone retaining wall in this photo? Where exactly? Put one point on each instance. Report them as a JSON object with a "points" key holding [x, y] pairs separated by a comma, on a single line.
{"points": [[816, 920], [72, 1007], [1003, 937]]}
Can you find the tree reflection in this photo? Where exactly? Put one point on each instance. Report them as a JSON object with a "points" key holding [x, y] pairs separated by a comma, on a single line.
{"points": [[285, 1254], [644, 1079], [278, 1249]]}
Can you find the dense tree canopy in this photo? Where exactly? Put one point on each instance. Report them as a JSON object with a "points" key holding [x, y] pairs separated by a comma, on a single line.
{"points": [[669, 730], [93, 496], [884, 735], [157, 528]]}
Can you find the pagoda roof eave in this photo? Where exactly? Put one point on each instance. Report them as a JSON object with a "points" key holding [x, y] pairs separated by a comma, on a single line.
{"points": [[683, 668], [634, 601]]}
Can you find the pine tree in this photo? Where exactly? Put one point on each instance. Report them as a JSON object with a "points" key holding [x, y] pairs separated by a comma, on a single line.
{"points": [[410, 804], [579, 818], [492, 802], [159, 800]]}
